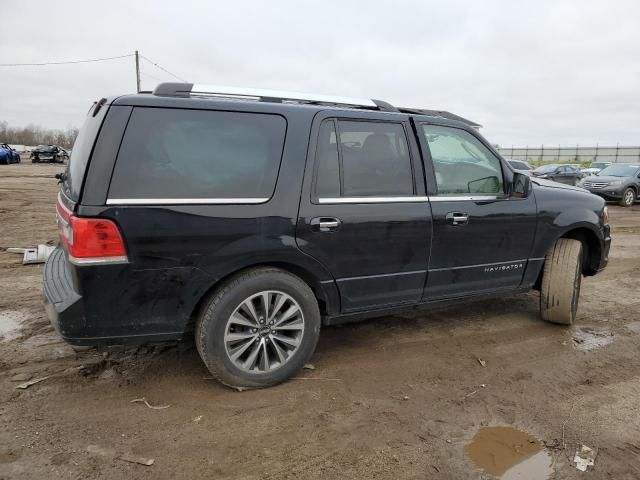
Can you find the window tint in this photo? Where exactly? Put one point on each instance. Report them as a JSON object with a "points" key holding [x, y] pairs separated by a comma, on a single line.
{"points": [[373, 160], [170, 153], [80, 153], [461, 163], [328, 173]]}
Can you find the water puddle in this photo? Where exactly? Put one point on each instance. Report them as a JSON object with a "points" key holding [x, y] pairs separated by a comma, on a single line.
{"points": [[10, 322], [509, 454], [587, 338]]}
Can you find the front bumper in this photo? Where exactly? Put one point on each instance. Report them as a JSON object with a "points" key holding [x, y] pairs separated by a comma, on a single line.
{"points": [[606, 246], [607, 193]]}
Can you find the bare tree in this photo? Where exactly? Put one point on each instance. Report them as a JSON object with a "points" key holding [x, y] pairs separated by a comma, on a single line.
{"points": [[37, 135]]}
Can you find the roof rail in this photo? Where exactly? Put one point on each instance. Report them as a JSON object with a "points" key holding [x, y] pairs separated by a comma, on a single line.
{"points": [[196, 89]]}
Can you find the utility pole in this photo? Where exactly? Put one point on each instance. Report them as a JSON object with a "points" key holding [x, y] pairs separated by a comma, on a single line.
{"points": [[137, 73]]}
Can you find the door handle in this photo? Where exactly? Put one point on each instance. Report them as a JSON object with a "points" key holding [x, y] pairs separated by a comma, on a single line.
{"points": [[457, 218], [325, 224]]}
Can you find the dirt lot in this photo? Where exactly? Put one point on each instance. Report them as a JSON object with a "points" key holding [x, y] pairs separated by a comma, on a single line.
{"points": [[397, 397]]}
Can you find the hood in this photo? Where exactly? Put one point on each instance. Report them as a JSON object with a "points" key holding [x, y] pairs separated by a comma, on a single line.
{"points": [[603, 178], [551, 184]]}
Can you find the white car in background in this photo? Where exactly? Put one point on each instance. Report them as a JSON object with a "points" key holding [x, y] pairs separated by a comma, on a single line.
{"points": [[595, 168]]}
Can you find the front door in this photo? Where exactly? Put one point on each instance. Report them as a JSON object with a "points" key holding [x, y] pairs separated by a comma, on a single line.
{"points": [[481, 237], [364, 213]]}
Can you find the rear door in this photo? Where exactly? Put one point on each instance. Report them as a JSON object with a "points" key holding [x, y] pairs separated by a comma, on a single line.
{"points": [[481, 236], [363, 212]]}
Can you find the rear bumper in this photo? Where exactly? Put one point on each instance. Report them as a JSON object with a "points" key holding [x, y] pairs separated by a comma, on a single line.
{"points": [[61, 302], [66, 310]]}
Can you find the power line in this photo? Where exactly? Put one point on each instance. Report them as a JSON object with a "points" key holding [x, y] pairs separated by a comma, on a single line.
{"points": [[145, 74], [163, 69], [65, 63]]}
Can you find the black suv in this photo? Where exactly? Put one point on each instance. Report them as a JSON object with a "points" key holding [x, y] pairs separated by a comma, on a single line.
{"points": [[254, 217]]}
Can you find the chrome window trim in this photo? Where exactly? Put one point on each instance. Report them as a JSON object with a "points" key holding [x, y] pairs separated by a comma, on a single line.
{"points": [[338, 200], [461, 198], [186, 201]]}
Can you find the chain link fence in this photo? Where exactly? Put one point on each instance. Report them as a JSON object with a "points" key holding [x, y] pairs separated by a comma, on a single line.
{"points": [[577, 154]]}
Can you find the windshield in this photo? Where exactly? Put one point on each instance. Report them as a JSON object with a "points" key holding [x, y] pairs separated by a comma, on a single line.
{"points": [[546, 168], [619, 171], [599, 165]]}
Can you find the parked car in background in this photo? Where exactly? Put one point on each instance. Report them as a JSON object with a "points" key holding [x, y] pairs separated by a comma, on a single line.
{"points": [[520, 166], [256, 221], [8, 155], [568, 174], [595, 168], [619, 182], [49, 153]]}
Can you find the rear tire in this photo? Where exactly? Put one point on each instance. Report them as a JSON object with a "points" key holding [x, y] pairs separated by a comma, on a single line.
{"points": [[628, 197], [218, 338], [560, 290]]}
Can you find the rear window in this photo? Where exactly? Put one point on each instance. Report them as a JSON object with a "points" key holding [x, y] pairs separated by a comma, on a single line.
{"points": [[194, 154], [81, 152]]}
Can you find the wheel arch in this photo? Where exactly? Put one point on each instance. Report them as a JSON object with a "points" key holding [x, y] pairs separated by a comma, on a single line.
{"points": [[591, 248], [633, 187], [327, 299]]}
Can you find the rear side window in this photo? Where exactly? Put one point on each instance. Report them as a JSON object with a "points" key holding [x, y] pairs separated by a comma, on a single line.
{"points": [[196, 154], [81, 152], [363, 159]]}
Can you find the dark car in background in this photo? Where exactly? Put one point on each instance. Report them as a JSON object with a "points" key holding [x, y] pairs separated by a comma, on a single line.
{"points": [[618, 182], [49, 153], [567, 174], [8, 155]]}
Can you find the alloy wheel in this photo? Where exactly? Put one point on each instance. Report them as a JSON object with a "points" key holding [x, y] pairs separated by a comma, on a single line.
{"points": [[628, 197], [264, 331]]}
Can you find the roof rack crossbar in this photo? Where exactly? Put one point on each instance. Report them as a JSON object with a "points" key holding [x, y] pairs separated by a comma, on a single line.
{"points": [[187, 89]]}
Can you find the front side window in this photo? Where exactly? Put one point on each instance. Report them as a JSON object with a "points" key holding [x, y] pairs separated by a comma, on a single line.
{"points": [[363, 159], [198, 154], [461, 163]]}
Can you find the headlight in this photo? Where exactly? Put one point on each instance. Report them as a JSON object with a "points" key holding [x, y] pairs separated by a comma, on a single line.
{"points": [[543, 175], [615, 182], [605, 216]]}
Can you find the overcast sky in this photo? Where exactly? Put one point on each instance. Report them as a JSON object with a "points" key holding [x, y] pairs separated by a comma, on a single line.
{"points": [[556, 72]]}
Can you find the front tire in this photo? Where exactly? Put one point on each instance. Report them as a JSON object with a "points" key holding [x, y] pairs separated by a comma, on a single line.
{"points": [[628, 197], [560, 290], [258, 329]]}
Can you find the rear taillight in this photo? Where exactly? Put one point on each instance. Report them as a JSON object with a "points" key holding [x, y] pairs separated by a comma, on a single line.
{"points": [[90, 240]]}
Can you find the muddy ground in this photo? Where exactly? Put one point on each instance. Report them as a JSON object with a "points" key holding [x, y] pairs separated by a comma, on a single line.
{"points": [[397, 397]]}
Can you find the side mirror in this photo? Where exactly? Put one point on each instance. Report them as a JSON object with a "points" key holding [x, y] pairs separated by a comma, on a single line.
{"points": [[521, 185]]}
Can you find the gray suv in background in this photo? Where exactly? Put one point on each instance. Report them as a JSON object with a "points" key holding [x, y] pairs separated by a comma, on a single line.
{"points": [[620, 182]]}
